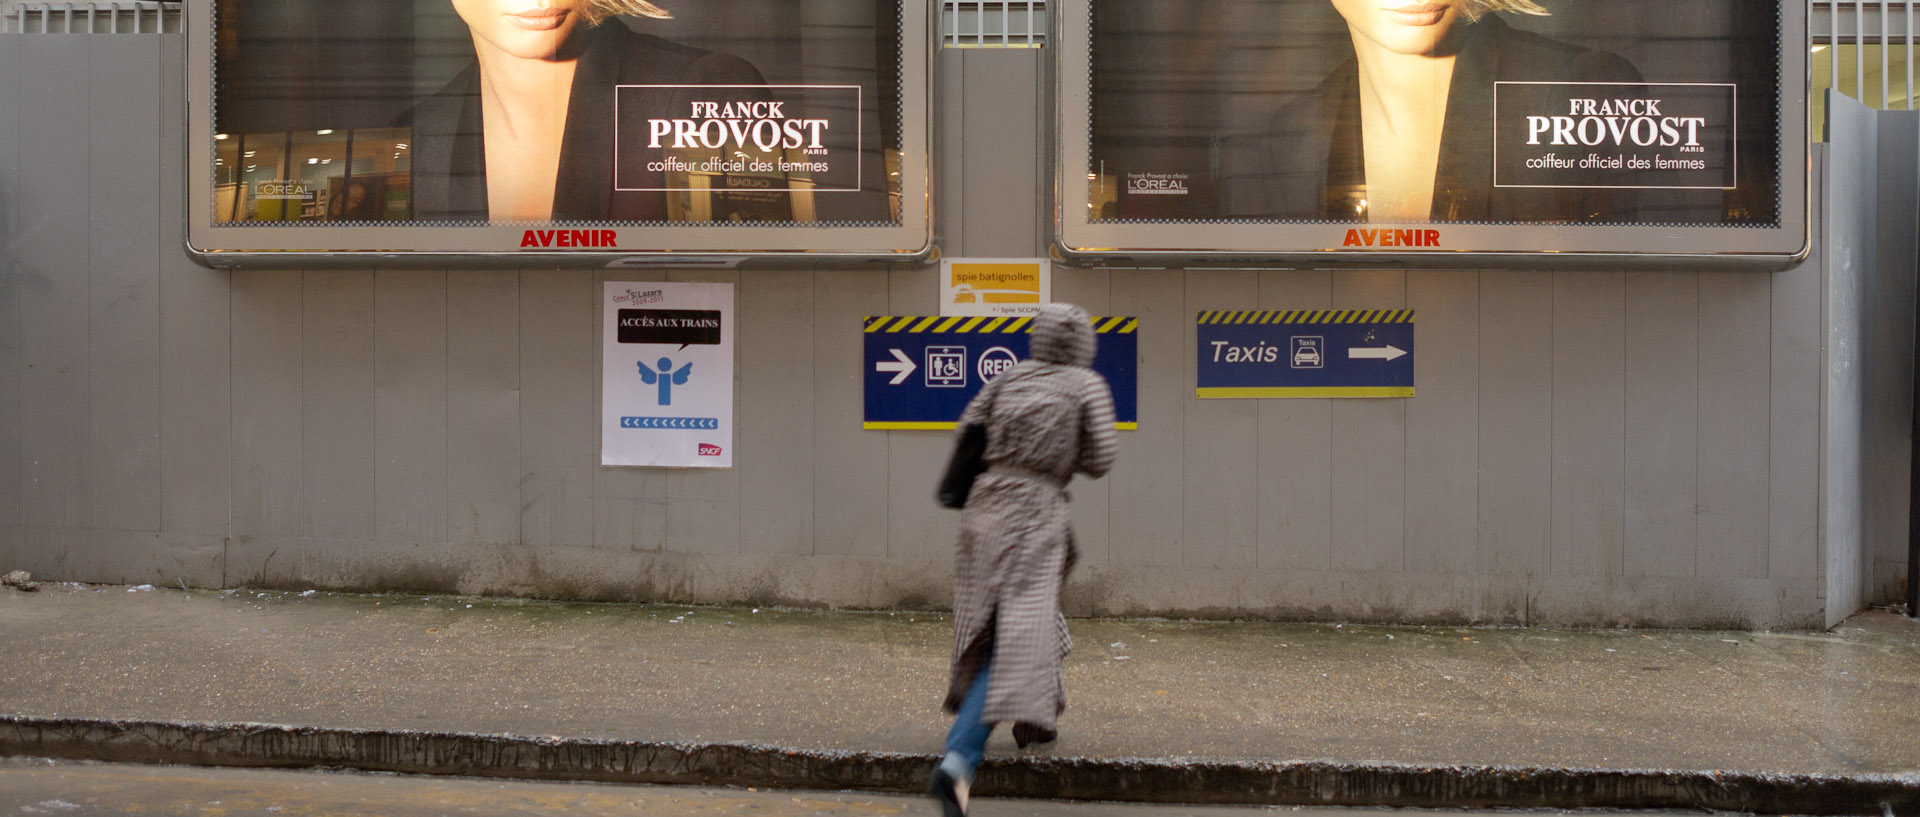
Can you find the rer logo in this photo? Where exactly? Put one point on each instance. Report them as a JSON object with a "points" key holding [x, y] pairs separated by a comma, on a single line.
{"points": [[666, 377], [995, 361], [709, 450]]}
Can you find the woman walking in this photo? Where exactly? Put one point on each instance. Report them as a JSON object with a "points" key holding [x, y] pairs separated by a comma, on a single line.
{"points": [[1047, 418]]}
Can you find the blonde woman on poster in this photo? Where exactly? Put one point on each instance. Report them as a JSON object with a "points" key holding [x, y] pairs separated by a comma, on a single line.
{"points": [[1401, 131], [527, 132]]}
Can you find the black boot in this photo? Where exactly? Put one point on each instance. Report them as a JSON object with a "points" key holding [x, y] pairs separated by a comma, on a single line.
{"points": [[1026, 734]]}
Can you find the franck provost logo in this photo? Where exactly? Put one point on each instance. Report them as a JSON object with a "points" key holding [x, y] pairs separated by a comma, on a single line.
{"points": [[763, 138], [1645, 135]]}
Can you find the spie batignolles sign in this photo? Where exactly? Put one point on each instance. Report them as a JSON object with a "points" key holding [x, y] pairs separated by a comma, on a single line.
{"points": [[1522, 133], [570, 130]]}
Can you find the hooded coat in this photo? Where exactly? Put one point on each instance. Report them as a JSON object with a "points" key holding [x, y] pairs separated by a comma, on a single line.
{"points": [[1047, 418]]}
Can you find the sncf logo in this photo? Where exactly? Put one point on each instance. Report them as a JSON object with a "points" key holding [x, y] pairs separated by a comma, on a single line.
{"points": [[709, 450]]}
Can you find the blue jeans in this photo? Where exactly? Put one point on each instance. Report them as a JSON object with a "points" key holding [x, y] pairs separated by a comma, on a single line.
{"points": [[968, 738]]}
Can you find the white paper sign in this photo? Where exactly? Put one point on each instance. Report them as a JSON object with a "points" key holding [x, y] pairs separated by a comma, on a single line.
{"points": [[667, 375]]}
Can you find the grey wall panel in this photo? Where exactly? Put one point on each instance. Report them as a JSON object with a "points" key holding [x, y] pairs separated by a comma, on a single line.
{"points": [[89, 555], [410, 406], [1516, 416], [1000, 192], [1890, 368], [1092, 289], [123, 358], [703, 510], [1369, 450], [11, 511], [267, 425], [1219, 467], [1793, 462], [53, 301], [1736, 311], [1443, 423], [483, 407], [1149, 495], [774, 440], [949, 161], [630, 509], [1295, 449], [1853, 165], [630, 504], [1853, 151], [337, 405], [1589, 424], [559, 372], [1092, 499], [847, 476], [195, 369], [1662, 411]]}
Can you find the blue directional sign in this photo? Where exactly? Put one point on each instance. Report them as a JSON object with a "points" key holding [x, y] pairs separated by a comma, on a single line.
{"points": [[920, 371], [1305, 353]]}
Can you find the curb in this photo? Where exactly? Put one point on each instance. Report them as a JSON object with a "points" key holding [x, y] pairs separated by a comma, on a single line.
{"points": [[1297, 783]]}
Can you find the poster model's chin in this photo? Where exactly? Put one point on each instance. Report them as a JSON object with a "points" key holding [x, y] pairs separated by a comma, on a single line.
{"points": [[520, 28], [1400, 27]]}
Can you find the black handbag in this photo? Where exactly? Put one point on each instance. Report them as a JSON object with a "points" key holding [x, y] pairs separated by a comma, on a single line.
{"points": [[969, 459]]}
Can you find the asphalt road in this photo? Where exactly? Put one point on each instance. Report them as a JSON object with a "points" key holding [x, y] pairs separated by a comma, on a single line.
{"points": [[74, 789]]}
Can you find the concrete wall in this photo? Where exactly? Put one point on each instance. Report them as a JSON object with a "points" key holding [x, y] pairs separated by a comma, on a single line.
{"points": [[1585, 447]]}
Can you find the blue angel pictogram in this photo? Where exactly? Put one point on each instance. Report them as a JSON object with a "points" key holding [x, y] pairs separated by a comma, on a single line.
{"points": [[666, 377]]}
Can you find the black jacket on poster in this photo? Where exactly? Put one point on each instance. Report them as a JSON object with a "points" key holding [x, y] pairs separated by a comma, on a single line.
{"points": [[1308, 163], [449, 143]]}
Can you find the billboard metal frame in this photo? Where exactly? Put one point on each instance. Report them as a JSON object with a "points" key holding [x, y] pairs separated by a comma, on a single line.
{"points": [[693, 244], [1079, 239]]}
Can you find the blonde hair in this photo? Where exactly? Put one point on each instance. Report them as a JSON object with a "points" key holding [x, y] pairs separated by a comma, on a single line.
{"points": [[598, 10], [1477, 8]]}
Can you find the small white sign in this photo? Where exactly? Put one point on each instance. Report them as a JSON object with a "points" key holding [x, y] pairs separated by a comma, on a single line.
{"points": [[667, 375]]}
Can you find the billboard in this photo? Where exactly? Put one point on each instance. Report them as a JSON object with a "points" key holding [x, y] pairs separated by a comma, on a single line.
{"points": [[1449, 132], [557, 130]]}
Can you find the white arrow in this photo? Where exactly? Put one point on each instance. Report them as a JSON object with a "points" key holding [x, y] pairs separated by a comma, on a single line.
{"points": [[905, 367], [1388, 352]]}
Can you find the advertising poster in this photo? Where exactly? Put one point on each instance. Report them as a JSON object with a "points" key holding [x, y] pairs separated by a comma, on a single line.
{"points": [[558, 127], [1438, 127], [667, 375]]}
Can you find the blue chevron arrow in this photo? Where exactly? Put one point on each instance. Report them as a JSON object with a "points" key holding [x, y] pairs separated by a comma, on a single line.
{"points": [[705, 423]]}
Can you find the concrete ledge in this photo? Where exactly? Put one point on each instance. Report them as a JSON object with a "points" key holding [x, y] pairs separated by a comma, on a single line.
{"points": [[1072, 778]]}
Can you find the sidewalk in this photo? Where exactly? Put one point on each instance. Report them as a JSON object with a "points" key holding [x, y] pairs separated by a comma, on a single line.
{"points": [[1158, 711]]}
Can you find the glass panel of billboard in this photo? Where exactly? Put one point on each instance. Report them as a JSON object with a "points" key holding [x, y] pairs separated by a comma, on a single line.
{"points": [[566, 129], [1449, 132]]}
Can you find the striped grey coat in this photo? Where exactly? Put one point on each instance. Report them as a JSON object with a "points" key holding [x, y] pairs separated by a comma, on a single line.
{"points": [[1047, 418]]}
